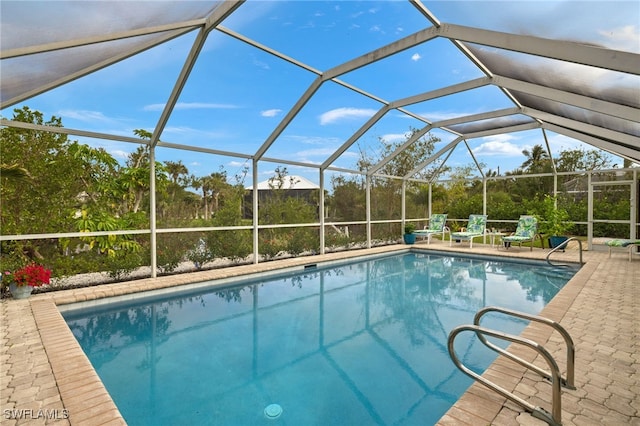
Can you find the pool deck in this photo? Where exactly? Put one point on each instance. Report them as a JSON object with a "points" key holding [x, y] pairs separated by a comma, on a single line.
{"points": [[46, 378]]}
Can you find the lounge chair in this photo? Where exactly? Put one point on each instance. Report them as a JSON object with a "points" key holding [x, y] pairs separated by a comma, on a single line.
{"points": [[475, 228], [525, 231], [631, 244], [436, 226]]}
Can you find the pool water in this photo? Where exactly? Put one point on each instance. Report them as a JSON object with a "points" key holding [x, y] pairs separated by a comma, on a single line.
{"points": [[351, 344]]}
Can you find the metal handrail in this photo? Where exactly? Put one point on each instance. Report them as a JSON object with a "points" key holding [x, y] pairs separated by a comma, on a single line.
{"points": [[562, 246], [555, 417], [569, 381]]}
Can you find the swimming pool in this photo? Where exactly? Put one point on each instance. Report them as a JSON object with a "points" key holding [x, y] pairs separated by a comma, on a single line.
{"points": [[354, 343]]}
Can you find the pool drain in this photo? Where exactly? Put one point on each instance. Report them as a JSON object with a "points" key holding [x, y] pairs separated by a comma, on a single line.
{"points": [[273, 411]]}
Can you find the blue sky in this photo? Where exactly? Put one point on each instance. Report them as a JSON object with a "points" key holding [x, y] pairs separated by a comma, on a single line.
{"points": [[237, 95]]}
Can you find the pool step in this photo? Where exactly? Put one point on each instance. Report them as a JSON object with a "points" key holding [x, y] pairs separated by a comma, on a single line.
{"points": [[562, 273]]}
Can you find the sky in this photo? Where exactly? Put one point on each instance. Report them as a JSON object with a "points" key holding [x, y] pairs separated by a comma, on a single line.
{"points": [[237, 95]]}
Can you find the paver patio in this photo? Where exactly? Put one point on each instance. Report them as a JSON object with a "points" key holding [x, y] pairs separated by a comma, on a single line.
{"points": [[46, 378]]}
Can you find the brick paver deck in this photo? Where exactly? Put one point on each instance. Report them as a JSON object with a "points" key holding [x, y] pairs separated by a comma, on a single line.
{"points": [[46, 378]]}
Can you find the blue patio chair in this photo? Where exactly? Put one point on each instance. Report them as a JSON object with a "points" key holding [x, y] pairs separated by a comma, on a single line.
{"points": [[476, 227], [436, 226]]}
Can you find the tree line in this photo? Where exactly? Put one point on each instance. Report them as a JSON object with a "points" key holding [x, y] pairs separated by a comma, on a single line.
{"points": [[51, 184]]}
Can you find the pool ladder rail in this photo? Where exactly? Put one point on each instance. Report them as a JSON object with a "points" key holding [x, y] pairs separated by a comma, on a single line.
{"points": [[554, 376], [562, 246]]}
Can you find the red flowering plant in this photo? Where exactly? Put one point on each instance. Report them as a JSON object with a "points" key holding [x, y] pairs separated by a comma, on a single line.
{"points": [[33, 275]]}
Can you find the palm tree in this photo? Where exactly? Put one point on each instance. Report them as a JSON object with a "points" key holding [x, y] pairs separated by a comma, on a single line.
{"points": [[536, 158], [175, 170], [197, 183], [217, 182]]}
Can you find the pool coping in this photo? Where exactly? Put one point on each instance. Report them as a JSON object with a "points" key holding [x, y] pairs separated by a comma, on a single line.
{"points": [[87, 401]]}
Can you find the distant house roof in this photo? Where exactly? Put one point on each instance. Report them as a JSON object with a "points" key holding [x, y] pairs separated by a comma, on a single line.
{"points": [[290, 182]]}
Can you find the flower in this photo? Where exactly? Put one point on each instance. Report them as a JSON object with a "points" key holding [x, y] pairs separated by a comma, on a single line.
{"points": [[33, 275]]}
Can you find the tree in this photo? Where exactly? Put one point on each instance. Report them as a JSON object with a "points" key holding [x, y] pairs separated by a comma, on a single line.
{"points": [[177, 172], [100, 170], [41, 203], [572, 160], [410, 157], [347, 202], [536, 160], [217, 184], [134, 178], [281, 208]]}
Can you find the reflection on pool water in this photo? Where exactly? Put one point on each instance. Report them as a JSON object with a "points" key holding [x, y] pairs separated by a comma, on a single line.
{"points": [[354, 344]]}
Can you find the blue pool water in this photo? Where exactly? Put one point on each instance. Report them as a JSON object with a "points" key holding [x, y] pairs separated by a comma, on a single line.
{"points": [[350, 344]]}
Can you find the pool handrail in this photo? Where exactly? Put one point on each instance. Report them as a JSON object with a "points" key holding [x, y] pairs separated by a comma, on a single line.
{"points": [[569, 382], [555, 417], [562, 246]]}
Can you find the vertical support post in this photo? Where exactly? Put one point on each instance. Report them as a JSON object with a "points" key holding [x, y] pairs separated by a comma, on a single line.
{"points": [[404, 205], [484, 211], [321, 211], [589, 212], [430, 210], [152, 211], [633, 214], [484, 196], [368, 204], [254, 177]]}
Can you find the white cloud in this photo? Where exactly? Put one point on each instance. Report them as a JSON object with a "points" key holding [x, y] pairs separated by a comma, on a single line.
{"points": [[118, 153], [270, 112], [189, 105], [323, 153], [261, 64], [416, 57], [86, 116], [500, 145], [179, 129], [435, 116], [340, 114], [559, 143], [186, 131], [313, 140], [622, 38], [395, 137]]}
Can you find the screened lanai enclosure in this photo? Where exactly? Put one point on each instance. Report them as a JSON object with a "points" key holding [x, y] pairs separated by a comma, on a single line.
{"points": [[134, 133]]}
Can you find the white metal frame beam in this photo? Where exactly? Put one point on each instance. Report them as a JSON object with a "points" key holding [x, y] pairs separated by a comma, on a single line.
{"points": [[580, 101], [567, 51], [589, 129], [610, 147], [184, 26]]}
